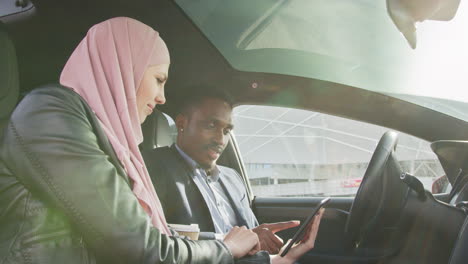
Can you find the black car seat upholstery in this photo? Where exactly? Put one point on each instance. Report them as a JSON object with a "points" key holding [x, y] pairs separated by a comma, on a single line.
{"points": [[9, 81], [460, 252]]}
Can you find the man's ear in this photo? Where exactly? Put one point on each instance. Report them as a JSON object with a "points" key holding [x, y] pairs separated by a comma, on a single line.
{"points": [[181, 122]]}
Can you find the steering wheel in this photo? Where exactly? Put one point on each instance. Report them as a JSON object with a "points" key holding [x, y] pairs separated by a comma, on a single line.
{"points": [[379, 196]]}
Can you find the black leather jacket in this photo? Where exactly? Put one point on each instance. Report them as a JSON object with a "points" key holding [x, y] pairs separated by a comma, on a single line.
{"points": [[64, 197]]}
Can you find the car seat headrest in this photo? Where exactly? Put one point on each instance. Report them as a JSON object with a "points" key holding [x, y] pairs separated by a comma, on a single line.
{"points": [[158, 131]]}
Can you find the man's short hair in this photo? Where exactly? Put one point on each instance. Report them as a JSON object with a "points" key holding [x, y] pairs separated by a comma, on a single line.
{"points": [[197, 93]]}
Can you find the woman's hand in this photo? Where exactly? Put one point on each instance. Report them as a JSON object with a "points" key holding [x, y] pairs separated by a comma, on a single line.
{"points": [[241, 241], [306, 244]]}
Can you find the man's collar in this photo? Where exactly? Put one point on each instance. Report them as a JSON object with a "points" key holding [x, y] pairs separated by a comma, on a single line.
{"points": [[214, 175]]}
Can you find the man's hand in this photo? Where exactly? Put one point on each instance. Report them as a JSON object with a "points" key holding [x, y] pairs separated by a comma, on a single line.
{"points": [[266, 234], [241, 241]]}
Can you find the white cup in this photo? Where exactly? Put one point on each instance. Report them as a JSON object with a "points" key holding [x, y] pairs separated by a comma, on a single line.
{"points": [[192, 231]]}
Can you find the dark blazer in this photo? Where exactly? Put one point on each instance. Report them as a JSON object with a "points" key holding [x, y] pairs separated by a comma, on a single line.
{"points": [[181, 199]]}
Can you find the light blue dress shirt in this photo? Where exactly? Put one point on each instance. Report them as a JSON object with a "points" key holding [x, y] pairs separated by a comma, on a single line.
{"points": [[219, 205]]}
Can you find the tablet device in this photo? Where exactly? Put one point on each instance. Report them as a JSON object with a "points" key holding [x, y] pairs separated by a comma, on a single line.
{"points": [[300, 232]]}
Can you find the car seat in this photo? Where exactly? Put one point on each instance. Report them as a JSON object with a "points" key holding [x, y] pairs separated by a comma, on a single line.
{"points": [[459, 253], [9, 81], [159, 130]]}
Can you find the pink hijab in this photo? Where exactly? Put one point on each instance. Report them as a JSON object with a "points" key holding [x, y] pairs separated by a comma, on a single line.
{"points": [[106, 70]]}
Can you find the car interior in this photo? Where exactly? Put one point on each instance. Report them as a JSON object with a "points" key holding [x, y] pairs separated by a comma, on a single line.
{"points": [[391, 219]]}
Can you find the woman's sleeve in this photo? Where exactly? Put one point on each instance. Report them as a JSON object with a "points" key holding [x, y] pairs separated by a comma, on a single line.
{"points": [[56, 155]]}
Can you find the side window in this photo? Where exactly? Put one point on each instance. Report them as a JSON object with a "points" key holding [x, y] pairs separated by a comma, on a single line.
{"points": [[292, 152]]}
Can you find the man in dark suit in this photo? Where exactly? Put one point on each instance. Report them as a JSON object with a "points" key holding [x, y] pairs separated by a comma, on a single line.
{"points": [[192, 188]]}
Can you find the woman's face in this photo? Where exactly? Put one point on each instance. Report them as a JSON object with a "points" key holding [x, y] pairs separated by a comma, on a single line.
{"points": [[151, 90]]}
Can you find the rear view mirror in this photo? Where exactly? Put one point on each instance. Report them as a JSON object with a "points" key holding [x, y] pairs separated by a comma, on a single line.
{"points": [[406, 13]]}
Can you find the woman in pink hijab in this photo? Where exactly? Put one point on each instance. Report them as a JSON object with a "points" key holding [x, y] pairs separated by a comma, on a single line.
{"points": [[74, 181]]}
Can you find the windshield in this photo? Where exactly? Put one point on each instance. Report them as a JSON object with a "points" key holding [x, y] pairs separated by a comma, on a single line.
{"points": [[350, 42]]}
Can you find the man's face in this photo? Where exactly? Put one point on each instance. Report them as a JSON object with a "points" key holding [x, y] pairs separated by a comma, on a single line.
{"points": [[204, 133]]}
